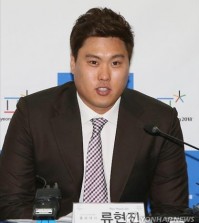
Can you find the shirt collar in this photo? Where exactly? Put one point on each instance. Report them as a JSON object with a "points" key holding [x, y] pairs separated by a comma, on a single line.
{"points": [[87, 114]]}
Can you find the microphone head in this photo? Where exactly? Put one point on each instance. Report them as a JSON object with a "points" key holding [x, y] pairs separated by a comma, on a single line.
{"points": [[152, 129]]}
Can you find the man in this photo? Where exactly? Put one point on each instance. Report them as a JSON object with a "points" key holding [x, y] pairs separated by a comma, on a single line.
{"points": [[50, 131]]}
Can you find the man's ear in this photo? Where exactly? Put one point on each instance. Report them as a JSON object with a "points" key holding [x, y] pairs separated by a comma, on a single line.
{"points": [[72, 64]]}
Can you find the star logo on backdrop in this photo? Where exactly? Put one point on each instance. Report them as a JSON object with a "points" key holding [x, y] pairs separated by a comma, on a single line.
{"points": [[179, 97]]}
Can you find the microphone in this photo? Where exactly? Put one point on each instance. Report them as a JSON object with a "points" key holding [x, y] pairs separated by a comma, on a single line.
{"points": [[154, 130]]}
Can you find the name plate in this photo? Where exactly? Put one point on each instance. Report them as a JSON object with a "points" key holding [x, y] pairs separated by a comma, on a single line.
{"points": [[108, 213]]}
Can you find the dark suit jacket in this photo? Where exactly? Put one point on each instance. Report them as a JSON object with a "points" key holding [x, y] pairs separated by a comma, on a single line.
{"points": [[45, 138]]}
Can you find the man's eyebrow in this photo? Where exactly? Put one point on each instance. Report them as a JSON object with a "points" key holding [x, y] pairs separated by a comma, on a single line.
{"points": [[118, 55], [97, 57], [92, 56]]}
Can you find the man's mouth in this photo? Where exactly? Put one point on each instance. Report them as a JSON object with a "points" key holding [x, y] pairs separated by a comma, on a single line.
{"points": [[103, 91]]}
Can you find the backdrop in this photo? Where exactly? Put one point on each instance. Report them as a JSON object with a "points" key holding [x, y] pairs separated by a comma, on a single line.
{"points": [[34, 41]]}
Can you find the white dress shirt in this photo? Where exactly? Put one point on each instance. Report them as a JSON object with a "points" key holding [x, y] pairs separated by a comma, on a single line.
{"points": [[107, 135]]}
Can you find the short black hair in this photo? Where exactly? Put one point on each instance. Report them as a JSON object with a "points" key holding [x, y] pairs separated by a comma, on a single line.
{"points": [[101, 22]]}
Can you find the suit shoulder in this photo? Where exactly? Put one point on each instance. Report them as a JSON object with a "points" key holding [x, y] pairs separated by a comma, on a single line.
{"points": [[46, 99], [148, 109], [49, 94], [144, 101]]}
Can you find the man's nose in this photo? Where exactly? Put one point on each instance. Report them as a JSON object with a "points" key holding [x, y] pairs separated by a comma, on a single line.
{"points": [[104, 72]]}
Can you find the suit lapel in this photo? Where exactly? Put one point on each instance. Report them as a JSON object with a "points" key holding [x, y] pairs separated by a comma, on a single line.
{"points": [[66, 125], [127, 144]]}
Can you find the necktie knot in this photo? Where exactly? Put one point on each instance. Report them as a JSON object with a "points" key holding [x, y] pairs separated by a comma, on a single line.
{"points": [[98, 124]]}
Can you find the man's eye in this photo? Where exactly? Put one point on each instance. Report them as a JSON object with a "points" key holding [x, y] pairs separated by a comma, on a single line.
{"points": [[93, 62], [116, 63]]}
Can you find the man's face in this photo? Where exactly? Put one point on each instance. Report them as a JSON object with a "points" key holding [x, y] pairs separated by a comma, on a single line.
{"points": [[101, 72]]}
